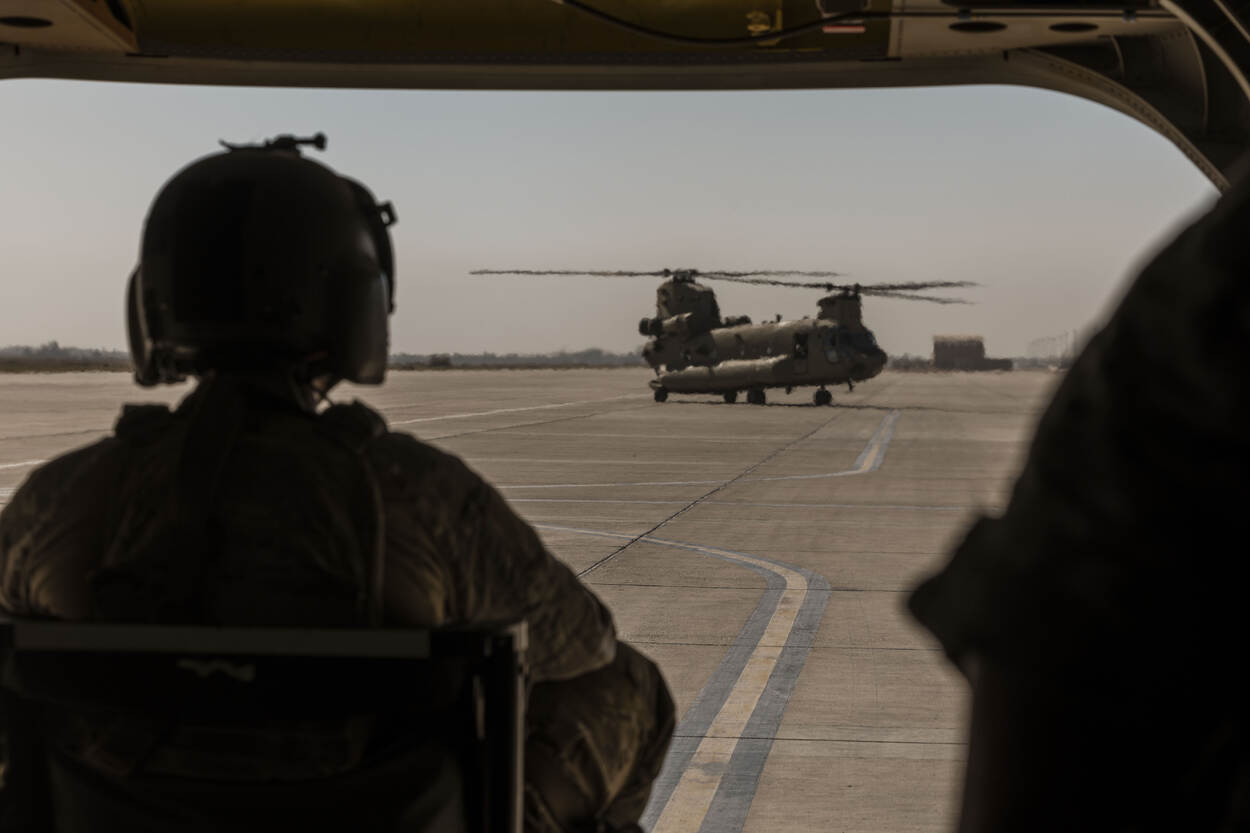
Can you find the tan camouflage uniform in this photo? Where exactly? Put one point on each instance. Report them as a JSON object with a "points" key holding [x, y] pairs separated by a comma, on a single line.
{"points": [[600, 715]]}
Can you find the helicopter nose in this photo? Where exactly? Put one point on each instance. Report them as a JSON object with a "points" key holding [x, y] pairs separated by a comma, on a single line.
{"points": [[870, 365]]}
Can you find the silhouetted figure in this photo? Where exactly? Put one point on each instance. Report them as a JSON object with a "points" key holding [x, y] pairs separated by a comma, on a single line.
{"points": [[270, 278], [1101, 620]]}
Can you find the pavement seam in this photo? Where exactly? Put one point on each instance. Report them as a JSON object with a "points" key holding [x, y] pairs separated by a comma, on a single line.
{"points": [[692, 504]]}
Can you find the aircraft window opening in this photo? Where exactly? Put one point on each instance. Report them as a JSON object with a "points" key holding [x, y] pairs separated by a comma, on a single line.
{"points": [[820, 349], [831, 346], [800, 345]]}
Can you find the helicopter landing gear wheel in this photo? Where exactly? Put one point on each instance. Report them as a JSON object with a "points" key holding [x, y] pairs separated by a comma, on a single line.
{"points": [[822, 397], [731, 397], [661, 394], [755, 396]]}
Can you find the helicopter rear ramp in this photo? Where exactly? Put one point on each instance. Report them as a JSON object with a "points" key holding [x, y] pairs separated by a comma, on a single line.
{"points": [[759, 554]]}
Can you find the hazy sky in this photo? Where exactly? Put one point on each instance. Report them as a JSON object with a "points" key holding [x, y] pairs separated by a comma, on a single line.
{"points": [[1047, 200]]}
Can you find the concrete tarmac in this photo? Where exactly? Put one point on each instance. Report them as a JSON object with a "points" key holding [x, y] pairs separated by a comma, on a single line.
{"points": [[760, 555]]}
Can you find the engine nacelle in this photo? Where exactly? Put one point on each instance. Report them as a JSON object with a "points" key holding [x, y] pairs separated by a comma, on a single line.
{"points": [[677, 325], [650, 327]]}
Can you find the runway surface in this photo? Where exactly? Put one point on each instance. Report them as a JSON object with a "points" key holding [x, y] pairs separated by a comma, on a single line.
{"points": [[760, 555]]}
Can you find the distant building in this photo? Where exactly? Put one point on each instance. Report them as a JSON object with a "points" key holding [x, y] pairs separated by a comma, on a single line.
{"points": [[964, 353]]}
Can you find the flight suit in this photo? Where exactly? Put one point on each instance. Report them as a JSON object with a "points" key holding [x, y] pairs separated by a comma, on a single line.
{"points": [[1101, 619], [299, 504]]}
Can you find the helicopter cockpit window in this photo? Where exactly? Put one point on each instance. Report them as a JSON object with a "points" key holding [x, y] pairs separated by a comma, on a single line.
{"points": [[858, 340]]}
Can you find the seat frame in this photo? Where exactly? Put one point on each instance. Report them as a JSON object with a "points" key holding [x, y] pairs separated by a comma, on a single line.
{"points": [[494, 657]]}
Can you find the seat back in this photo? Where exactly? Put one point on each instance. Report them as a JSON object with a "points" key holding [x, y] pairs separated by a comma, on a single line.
{"points": [[447, 712]]}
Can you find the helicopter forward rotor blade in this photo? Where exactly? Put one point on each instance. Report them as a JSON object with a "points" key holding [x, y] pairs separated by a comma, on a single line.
{"points": [[771, 277], [908, 296], [908, 286], [722, 276], [743, 277], [600, 274]]}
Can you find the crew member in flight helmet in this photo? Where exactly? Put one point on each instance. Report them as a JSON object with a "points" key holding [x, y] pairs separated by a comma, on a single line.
{"points": [[270, 278]]}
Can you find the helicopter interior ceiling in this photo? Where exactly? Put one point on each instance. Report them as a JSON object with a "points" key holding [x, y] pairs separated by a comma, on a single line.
{"points": [[1179, 66]]}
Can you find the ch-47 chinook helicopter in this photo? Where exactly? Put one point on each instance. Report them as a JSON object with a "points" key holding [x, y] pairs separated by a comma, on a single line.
{"points": [[692, 349]]}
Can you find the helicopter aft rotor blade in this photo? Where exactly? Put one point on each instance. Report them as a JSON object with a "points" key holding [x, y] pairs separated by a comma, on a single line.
{"points": [[733, 277]]}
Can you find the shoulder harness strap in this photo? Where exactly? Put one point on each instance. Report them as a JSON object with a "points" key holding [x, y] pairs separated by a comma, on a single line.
{"points": [[356, 426]]}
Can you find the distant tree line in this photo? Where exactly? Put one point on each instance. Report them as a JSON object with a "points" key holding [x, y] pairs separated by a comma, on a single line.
{"points": [[51, 356], [909, 363], [591, 357]]}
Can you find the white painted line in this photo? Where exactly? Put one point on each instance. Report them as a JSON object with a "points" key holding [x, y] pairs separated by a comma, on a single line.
{"points": [[22, 464], [514, 410], [565, 461], [718, 438], [691, 798], [25, 463], [611, 485], [856, 506], [594, 500], [869, 459]]}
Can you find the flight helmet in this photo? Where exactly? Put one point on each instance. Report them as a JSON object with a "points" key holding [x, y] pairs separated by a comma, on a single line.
{"points": [[257, 260]]}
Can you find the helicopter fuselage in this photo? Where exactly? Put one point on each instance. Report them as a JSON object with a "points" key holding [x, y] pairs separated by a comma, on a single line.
{"points": [[693, 349], [782, 354]]}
